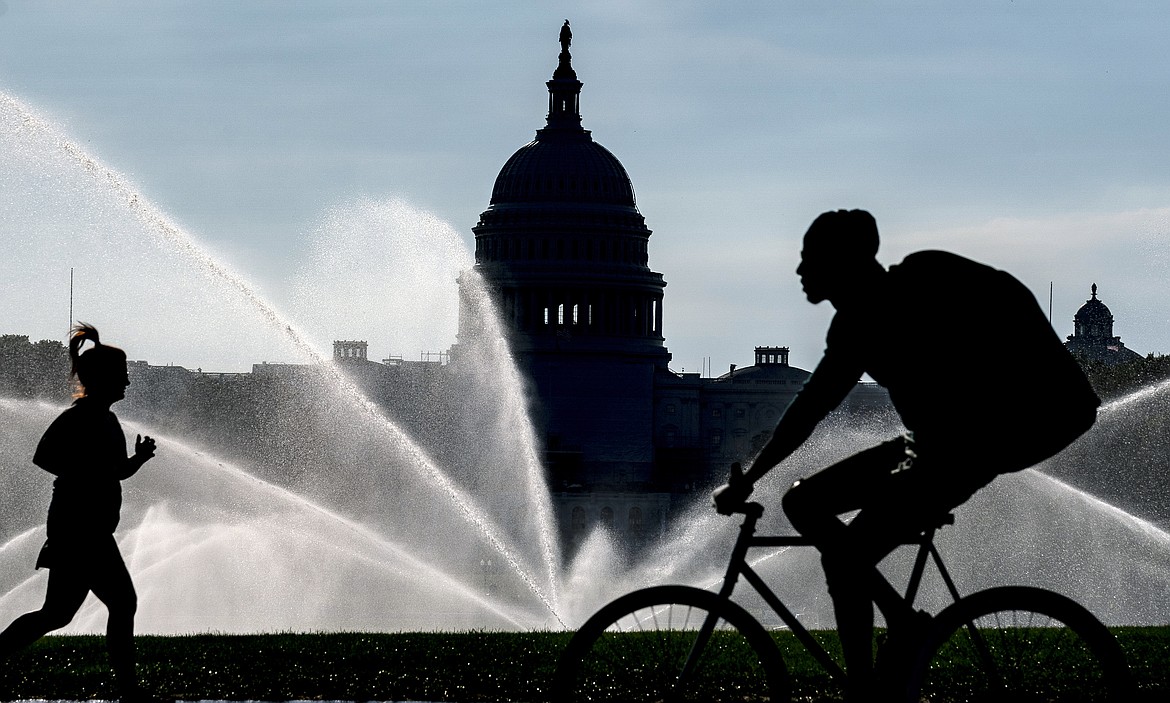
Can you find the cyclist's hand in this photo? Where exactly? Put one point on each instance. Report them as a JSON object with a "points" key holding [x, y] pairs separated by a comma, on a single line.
{"points": [[732, 495]]}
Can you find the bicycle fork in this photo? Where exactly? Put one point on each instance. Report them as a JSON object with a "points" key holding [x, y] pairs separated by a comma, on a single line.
{"points": [[738, 557]]}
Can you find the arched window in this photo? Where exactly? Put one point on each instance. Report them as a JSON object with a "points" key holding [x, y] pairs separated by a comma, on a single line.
{"points": [[635, 519], [607, 517], [578, 524]]}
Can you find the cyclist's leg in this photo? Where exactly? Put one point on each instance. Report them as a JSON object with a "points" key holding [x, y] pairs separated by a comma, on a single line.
{"points": [[912, 500], [897, 500], [812, 506]]}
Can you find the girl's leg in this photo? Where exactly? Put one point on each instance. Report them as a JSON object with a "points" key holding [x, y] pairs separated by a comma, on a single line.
{"points": [[66, 592], [112, 585]]}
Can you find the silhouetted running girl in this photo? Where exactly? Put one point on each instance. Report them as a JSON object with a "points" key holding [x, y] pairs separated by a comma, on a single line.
{"points": [[86, 449]]}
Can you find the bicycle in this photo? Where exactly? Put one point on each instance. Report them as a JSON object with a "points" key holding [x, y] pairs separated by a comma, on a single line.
{"points": [[1003, 644]]}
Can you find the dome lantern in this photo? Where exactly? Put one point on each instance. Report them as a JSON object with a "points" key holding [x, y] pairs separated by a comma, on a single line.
{"points": [[1093, 320], [564, 90]]}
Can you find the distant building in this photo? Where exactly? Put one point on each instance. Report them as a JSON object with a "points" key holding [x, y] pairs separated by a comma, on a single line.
{"points": [[1093, 339], [350, 350]]}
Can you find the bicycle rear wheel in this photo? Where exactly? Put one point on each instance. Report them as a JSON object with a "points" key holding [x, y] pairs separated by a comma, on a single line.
{"points": [[1019, 644], [635, 648]]}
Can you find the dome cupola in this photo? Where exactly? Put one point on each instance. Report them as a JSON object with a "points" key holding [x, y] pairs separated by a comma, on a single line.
{"points": [[1093, 320]]}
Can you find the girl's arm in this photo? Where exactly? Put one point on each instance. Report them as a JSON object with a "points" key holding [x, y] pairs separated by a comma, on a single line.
{"points": [[54, 452], [143, 452]]}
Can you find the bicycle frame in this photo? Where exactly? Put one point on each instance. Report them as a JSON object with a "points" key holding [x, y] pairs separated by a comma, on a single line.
{"points": [[898, 608]]}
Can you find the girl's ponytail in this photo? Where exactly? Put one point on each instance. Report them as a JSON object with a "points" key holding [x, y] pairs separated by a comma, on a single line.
{"points": [[81, 333], [99, 366]]}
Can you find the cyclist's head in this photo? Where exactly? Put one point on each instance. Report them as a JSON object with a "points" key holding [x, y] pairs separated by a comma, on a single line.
{"points": [[839, 246], [842, 235]]}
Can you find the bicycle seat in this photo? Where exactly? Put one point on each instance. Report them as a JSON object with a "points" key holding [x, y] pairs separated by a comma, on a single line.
{"points": [[940, 521], [928, 527]]}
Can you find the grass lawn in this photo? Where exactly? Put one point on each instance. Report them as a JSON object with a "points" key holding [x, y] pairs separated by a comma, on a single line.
{"points": [[473, 666]]}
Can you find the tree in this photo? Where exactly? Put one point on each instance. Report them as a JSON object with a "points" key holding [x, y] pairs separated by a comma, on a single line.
{"points": [[34, 370], [1114, 381]]}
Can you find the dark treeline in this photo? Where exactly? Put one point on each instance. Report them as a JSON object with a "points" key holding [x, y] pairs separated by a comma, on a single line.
{"points": [[1115, 381], [34, 369], [273, 418], [41, 370]]}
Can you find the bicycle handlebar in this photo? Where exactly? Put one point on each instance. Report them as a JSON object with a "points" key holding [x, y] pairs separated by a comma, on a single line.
{"points": [[751, 509]]}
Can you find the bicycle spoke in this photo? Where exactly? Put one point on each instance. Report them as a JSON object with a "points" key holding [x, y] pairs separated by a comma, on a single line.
{"points": [[1020, 644], [643, 661]]}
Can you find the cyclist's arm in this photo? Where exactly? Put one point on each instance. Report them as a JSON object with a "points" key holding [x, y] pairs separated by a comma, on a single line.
{"points": [[832, 380]]}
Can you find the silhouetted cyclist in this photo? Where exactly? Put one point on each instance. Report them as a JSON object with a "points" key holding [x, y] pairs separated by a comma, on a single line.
{"points": [[974, 369], [86, 449]]}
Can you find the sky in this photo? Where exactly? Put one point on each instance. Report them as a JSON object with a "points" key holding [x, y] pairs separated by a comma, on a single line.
{"points": [[1027, 135]]}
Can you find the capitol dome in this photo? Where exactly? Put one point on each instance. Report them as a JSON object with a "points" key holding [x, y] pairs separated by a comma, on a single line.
{"points": [[563, 166], [564, 201], [564, 254]]}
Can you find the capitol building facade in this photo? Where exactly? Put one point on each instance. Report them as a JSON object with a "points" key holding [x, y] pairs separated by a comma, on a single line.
{"points": [[565, 253]]}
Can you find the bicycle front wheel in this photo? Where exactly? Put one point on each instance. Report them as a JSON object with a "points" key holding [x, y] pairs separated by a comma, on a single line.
{"points": [[1019, 644], [637, 648]]}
